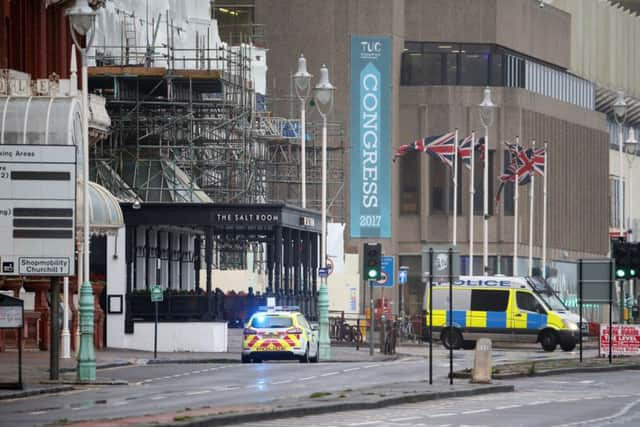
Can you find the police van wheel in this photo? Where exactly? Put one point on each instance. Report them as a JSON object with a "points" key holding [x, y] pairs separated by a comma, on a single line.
{"points": [[317, 357], [451, 339], [549, 341], [568, 346]]}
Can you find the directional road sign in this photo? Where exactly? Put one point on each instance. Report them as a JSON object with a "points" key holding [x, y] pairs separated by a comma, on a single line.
{"points": [[37, 210], [386, 272], [157, 295]]}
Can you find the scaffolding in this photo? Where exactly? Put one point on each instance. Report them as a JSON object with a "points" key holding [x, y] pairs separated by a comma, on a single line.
{"points": [[187, 126]]}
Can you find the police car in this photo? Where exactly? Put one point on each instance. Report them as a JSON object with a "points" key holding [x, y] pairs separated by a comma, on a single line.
{"points": [[279, 333]]}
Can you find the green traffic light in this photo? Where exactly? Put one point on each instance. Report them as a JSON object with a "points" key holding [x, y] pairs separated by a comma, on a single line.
{"points": [[620, 273], [632, 273], [372, 273]]}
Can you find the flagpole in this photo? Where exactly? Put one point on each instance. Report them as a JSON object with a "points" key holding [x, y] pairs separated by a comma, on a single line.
{"points": [[531, 191], [455, 188], [515, 217], [544, 213], [485, 204], [472, 192]]}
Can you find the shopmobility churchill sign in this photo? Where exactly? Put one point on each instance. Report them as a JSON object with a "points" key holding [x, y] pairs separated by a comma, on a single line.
{"points": [[370, 124]]}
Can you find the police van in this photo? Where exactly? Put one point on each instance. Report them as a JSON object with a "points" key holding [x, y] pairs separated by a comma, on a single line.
{"points": [[522, 309]]}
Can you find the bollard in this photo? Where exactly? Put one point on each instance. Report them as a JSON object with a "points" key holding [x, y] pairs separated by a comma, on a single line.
{"points": [[482, 364]]}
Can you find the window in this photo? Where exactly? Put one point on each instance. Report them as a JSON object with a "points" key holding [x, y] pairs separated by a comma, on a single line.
{"points": [[410, 184], [270, 321], [441, 299], [440, 176], [478, 183], [527, 302], [482, 300], [303, 322], [474, 65], [421, 68], [413, 297], [477, 264]]}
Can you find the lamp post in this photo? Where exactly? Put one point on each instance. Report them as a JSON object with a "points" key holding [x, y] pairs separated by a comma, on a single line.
{"points": [[619, 114], [323, 95], [302, 80], [81, 20], [631, 148], [487, 108]]}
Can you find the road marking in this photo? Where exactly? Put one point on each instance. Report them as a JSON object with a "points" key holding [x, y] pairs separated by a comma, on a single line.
{"points": [[508, 407], [365, 423], [232, 388], [475, 411], [620, 413], [195, 372], [282, 382], [447, 414], [37, 412], [350, 369], [308, 378], [329, 374], [193, 393], [370, 366], [587, 381], [158, 397], [119, 403], [404, 419], [539, 402]]}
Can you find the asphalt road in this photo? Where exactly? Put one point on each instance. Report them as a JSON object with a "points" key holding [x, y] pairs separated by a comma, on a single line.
{"points": [[160, 388], [611, 399]]}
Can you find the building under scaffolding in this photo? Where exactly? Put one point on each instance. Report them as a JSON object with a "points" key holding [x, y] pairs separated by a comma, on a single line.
{"points": [[198, 135]]}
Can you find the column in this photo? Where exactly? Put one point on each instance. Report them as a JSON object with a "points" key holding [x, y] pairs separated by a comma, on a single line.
{"points": [[306, 270], [286, 261], [191, 269], [175, 255], [186, 261], [164, 259], [129, 257], [208, 258], [277, 261], [197, 261], [314, 274], [270, 252], [141, 258], [296, 268], [152, 257]]}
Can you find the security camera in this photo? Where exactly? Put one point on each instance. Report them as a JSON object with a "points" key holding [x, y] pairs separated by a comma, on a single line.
{"points": [[136, 205]]}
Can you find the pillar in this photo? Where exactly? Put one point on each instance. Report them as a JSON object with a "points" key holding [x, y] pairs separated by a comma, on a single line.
{"points": [[152, 257], [175, 255], [186, 261], [277, 261], [164, 259], [141, 261]]}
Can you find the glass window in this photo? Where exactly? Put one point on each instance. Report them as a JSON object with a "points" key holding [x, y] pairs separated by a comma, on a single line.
{"points": [[413, 290], [452, 69], [461, 299], [478, 183], [410, 184], [474, 65], [442, 187], [527, 302], [303, 322], [421, 68], [270, 321], [486, 300], [477, 264]]}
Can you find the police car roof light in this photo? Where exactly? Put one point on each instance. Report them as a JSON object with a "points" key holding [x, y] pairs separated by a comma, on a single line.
{"points": [[279, 308]]}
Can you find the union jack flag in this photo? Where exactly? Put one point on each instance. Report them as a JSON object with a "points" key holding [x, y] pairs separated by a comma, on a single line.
{"points": [[417, 145], [480, 147], [442, 147], [464, 151], [539, 158]]}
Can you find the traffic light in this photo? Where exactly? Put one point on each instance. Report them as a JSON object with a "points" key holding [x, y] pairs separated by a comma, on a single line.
{"points": [[372, 259], [627, 259]]}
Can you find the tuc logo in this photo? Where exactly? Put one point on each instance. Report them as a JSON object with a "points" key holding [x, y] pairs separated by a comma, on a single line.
{"points": [[370, 46]]}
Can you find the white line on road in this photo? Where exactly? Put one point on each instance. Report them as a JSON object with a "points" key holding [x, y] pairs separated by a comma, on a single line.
{"points": [[447, 414], [308, 378], [370, 366], [158, 397], [365, 423], [232, 388], [596, 420], [329, 374], [539, 402], [404, 419], [508, 407], [124, 402], [282, 382], [350, 369], [195, 372], [193, 393], [37, 412], [475, 411]]}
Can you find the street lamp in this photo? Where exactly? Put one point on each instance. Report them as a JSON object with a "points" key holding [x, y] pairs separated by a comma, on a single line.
{"points": [[487, 109], [302, 80], [620, 114], [631, 148], [323, 95], [81, 20]]}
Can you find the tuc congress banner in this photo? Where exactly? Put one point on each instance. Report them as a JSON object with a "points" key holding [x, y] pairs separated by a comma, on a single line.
{"points": [[370, 123]]}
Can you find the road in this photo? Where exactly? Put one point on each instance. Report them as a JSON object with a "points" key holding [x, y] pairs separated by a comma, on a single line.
{"points": [[611, 399], [174, 387]]}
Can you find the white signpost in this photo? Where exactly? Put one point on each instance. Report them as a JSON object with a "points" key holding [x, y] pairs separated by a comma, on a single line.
{"points": [[37, 210]]}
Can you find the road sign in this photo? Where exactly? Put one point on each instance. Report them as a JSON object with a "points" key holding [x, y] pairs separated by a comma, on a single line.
{"points": [[323, 272], [402, 277], [157, 295], [386, 273], [11, 312], [596, 280], [37, 210]]}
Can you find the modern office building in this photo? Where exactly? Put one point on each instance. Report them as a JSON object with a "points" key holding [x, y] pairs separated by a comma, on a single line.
{"points": [[538, 58]]}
